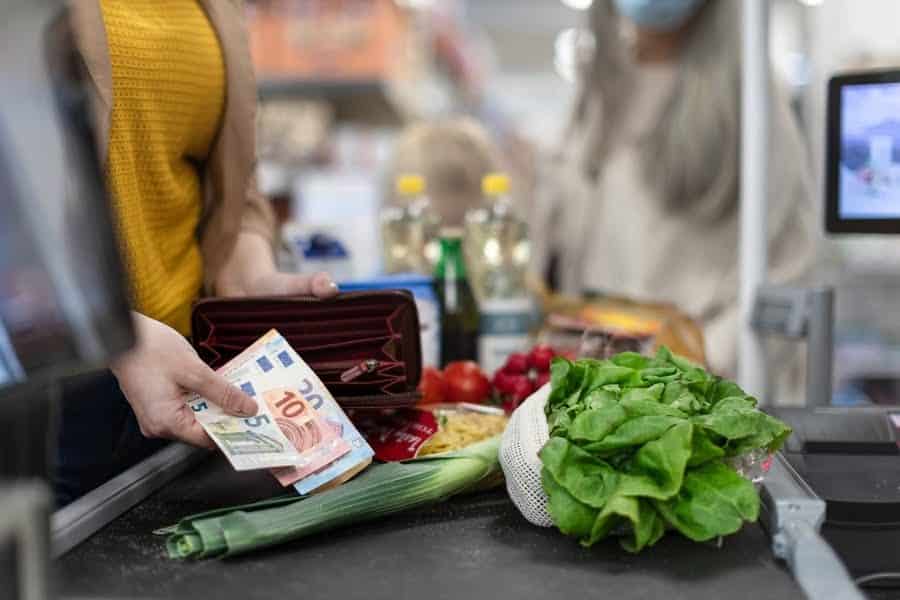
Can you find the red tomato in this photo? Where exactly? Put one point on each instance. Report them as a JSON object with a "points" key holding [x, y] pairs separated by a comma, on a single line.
{"points": [[433, 386], [516, 364], [540, 358], [466, 383]]}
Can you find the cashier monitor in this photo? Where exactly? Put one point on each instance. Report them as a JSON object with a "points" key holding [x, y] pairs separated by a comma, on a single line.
{"points": [[63, 306], [863, 153]]}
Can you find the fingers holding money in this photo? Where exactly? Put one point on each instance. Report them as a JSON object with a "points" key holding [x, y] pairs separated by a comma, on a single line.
{"points": [[200, 379], [187, 429], [155, 375]]}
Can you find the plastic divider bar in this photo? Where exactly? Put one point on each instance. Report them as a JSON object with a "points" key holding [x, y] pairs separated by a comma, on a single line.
{"points": [[793, 515], [78, 521]]}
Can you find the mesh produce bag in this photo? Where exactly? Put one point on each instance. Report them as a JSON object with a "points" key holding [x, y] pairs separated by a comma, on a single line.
{"points": [[523, 438], [527, 433]]}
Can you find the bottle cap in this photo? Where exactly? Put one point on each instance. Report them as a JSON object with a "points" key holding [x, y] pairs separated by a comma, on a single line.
{"points": [[495, 184], [410, 185]]}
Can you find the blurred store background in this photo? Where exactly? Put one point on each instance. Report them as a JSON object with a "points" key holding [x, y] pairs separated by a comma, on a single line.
{"points": [[339, 79]]}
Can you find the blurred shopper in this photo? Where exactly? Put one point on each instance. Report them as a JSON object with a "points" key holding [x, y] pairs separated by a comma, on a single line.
{"points": [[644, 200], [453, 156], [174, 102]]}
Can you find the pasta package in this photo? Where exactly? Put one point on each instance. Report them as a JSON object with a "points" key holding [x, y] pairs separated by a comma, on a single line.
{"points": [[404, 434], [461, 425]]}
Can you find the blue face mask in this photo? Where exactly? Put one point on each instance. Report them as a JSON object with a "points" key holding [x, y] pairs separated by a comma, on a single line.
{"points": [[661, 15]]}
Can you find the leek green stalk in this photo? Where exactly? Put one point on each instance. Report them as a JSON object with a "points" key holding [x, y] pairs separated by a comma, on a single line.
{"points": [[381, 490]]}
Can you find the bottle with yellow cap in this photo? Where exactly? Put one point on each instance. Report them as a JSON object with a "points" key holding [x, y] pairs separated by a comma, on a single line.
{"points": [[497, 254], [410, 228]]}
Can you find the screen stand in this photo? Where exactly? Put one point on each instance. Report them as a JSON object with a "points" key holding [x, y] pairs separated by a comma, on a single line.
{"points": [[802, 313]]}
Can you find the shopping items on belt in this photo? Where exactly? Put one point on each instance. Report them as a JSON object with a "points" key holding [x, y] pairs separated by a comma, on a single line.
{"points": [[381, 490], [603, 326]]}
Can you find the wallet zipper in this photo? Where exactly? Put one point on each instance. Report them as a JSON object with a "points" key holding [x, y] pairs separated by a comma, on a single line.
{"points": [[362, 368], [351, 369], [357, 368]]}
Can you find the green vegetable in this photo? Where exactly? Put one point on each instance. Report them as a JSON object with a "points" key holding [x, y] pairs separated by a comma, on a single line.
{"points": [[641, 445], [381, 490]]}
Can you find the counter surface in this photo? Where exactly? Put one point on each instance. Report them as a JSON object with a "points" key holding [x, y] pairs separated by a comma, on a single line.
{"points": [[471, 547]]}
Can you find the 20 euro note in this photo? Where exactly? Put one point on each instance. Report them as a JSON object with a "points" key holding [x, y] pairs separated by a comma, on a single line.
{"points": [[302, 378]]}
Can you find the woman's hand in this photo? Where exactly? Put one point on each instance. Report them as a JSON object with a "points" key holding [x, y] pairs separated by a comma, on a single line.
{"points": [[156, 377], [251, 272]]}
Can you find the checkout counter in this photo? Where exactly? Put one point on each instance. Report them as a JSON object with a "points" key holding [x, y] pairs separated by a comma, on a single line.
{"points": [[476, 546], [473, 546]]}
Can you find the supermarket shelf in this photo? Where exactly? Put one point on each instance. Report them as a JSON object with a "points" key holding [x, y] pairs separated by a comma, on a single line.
{"points": [[365, 100], [320, 88]]}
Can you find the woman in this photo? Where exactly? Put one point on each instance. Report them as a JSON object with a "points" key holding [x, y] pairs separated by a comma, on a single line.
{"points": [[645, 202], [174, 100]]}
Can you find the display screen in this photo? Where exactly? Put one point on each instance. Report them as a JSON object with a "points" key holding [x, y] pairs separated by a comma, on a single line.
{"points": [[869, 166]]}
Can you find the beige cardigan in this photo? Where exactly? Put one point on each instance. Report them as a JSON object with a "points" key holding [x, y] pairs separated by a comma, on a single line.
{"points": [[232, 203]]}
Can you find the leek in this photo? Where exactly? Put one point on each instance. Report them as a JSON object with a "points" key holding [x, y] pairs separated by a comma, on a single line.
{"points": [[381, 490]]}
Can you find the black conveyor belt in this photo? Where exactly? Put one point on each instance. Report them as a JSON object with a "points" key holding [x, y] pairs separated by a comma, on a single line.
{"points": [[469, 548]]}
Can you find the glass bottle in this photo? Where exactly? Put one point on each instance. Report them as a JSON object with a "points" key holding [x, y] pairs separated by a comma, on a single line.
{"points": [[459, 310]]}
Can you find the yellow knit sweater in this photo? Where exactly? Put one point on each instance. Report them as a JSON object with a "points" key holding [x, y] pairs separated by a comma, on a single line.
{"points": [[168, 97]]}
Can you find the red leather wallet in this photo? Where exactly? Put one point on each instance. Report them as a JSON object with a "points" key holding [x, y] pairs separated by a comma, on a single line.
{"points": [[364, 346]]}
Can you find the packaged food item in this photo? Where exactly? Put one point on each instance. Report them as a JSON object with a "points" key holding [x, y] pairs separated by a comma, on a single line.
{"points": [[405, 434], [462, 425], [399, 434], [602, 327]]}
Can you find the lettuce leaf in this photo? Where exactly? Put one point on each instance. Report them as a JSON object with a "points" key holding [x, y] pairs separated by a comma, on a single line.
{"points": [[714, 501], [587, 479]]}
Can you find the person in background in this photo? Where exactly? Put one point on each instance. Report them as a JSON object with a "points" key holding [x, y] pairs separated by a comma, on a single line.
{"points": [[643, 199], [173, 99], [453, 156]]}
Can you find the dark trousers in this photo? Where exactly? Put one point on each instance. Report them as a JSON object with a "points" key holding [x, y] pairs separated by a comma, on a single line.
{"points": [[98, 436]]}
